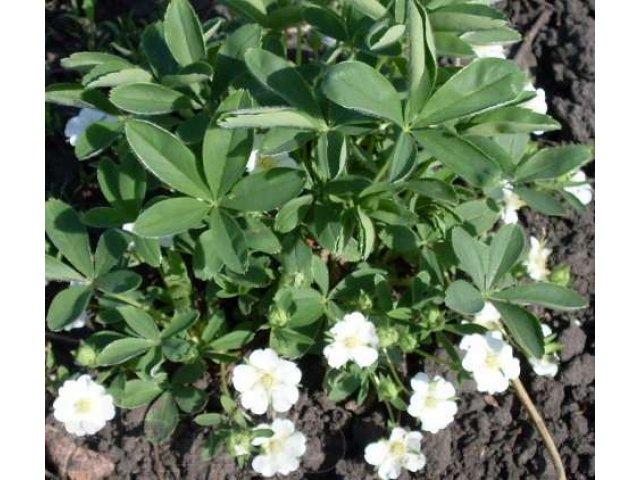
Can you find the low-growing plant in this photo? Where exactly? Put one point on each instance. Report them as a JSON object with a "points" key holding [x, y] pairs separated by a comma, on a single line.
{"points": [[340, 180]]}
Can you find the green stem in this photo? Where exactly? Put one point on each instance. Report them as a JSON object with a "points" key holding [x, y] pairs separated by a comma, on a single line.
{"points": [[376, 381], [394, 373], [298, 46]]}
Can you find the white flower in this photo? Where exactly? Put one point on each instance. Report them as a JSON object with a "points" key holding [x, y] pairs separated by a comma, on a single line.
{"points": [[537, 104], [401, 450], [85, 118], [261, 163], [582, 191], [547, 366], [282, 451], [353, 338], [79, 322], [166, 241], [488, 317], [536, 261], [267, 380], [492, 50], [432, 402], [490, 360], [328, 41], [512, 203], [83, 406]]}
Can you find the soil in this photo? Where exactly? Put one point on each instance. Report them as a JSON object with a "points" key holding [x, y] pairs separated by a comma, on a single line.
{"points": [[492, 437]]}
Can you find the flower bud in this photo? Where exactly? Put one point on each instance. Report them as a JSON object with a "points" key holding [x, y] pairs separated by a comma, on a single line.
{"points": [[388, 336], [278, 317], [561, 275], [86, 355]]}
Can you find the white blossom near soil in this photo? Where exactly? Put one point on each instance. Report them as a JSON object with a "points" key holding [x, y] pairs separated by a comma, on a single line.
{"points": [[79, 322], [536, 261], [582, 190], [492, 50], [488, 317], [490, 360], [281, 452], [266, 380], [401, 450], [165, 242], [538, 103], [512, 203], [352, 338], [547, 366], [432, 402], [261, 163], [83, 406], [83, 120]]}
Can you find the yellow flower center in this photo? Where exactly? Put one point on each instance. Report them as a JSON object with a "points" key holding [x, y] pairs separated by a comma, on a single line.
{"points": [[84, 405], [352, 342], [397, 448], [492, 361], [266, 162], [267, 380], [430, 402]]}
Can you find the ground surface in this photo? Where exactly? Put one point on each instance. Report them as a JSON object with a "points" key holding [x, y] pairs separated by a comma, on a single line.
{"points": [[492, 437]]}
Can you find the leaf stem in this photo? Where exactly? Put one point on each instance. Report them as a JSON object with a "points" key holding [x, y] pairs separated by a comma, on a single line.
{"points": [[524, 397]]}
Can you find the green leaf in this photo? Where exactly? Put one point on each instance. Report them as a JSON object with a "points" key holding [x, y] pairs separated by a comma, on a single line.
{"points": [[485, 84], [253, 9], [209, 419], [118, 281], [470, 255], [459, 155], [140, 322], [403, 157], [279, 76], [188, 398], [69, 235], [156, 50], [326, 21], [85, 60], [423, 65], [292, 213], [67, 306], [138, 393], [56, 270], [357, 86], [229, 60], [541, 201], [96, 138], [111, 247], [464, 298], [371, 8], [231, 341], [264, 191], [434, 189], [124, 184], [523, 327], [166, 157], [206, 260], [270, 117], [124, 349], [162, 417], [170, 217], [511, 120], [225, 152], [547, 295], [553, 162], [467, 18], [149, 99], [183, 33], [505, 251], [181, 321], [122, 76], [230, 242], [332, 154], [343, 386]]}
